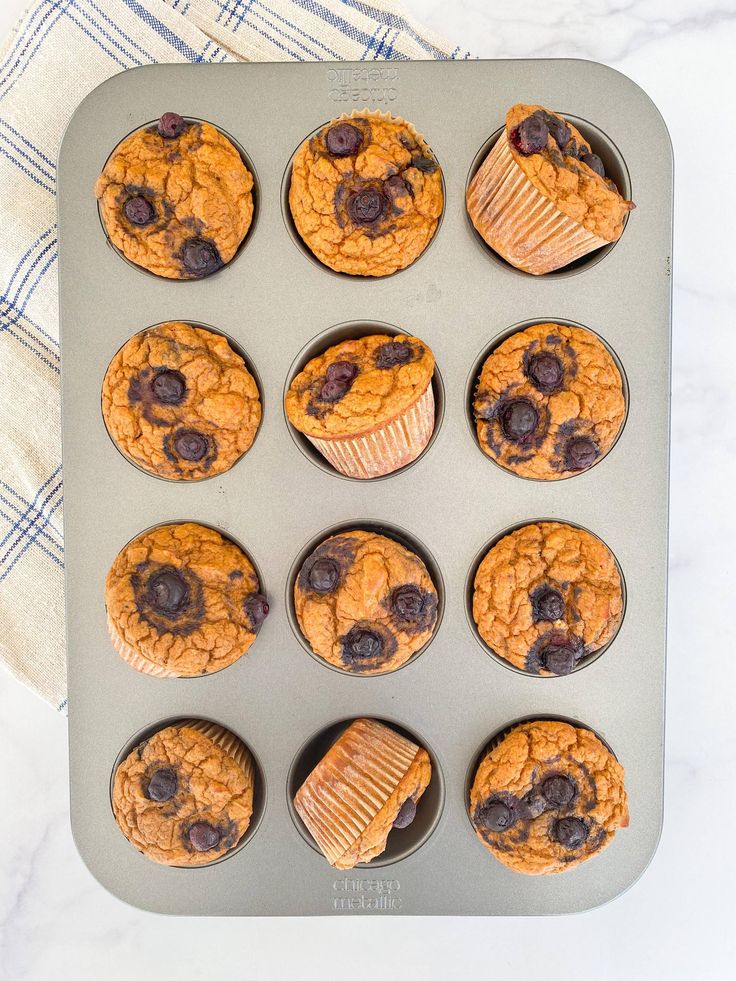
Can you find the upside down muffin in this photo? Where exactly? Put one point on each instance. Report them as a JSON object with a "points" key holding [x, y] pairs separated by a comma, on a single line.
{"points": [[369, 783], [176, 198], [546, 596], [184, 796], [366, 404], [541, 198], [180, 403], [549, 402], [364, 602], [548, 796], [366, 194], [183, 601]]}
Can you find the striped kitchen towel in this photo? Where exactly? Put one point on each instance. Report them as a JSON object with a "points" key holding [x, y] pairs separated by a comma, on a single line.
{"points": [[60, 51]]}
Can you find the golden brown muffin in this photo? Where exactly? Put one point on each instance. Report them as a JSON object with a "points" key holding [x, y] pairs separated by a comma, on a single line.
{"points": [[185, 796], [366, 194], [365, 603], [366, 404], [546, 797], [180, 403], [549, 402], [546, 596], [541, 198], [176, 198], [368, 783], [182, 601]]}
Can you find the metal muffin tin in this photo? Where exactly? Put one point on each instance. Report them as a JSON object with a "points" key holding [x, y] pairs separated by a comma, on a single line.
{"points": [[274, 300]]}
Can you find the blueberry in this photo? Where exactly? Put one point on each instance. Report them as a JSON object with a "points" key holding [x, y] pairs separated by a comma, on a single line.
{"points": [[256, 608], [367, 206], [170, 125], [167, 591], [495, 815], [595, 163], [203, 836], [393, 353], [571, 832], [343, 140], [406, 815], [162, 785], [324, 576], [139, 211], [191, 445], [545, 372], [169, 387], [519, 420], [407, 602], [580, 453], [200, 257], [558, 790], [531, 135]]}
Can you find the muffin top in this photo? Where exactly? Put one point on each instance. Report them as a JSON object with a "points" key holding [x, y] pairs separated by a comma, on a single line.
{"points": [[549, 402], [546, 596], [181, 797], [180, 403], [367, 784], [366, 194], [547, 797], [358, 385], [185, 599], [364, 602], [561, 164], [176, 198]]}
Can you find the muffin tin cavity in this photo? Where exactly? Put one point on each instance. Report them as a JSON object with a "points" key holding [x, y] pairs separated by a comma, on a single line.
{"points": [[335, 335], [247, 361], [471, 387], [399, 535], [306, 251], [402, 842], [615, 166], [255, 192], [470, 588], [260, 795]]}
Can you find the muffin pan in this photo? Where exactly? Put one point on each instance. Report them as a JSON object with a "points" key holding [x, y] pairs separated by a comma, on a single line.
{"points": [[275, 302]]}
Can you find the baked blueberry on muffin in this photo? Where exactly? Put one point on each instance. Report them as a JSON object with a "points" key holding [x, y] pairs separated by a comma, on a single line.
{"points": [[366, 194], [176, 198], [364, 602], [180, 403], [547, 796], [369, 783], [183, 601], [546, 596], [366, 404], [184, 796], [549, 402], [541, 198]]}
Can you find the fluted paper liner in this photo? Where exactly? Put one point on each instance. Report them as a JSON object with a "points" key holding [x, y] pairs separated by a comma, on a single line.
{"points": [[519, 222], [134, 658], [352, 783], [386, 448], [227, 741]]}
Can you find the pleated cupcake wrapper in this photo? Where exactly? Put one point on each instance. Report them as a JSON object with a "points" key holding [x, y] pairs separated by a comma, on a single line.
{"points": [[348, 788], [227, 741], [385, 449], [133, 658], [519, 222]]}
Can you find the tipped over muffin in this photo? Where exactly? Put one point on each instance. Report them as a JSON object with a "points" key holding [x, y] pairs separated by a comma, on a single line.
{"points": [[176, 198], [541, 199], [547, 796], [367, 784], [366, 194], [366, 404]]}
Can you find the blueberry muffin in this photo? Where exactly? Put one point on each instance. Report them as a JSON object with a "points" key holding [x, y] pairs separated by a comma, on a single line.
{"points": [[182, 601], [180, 403], [369, 783], [176, 198], [541, 198], [184, 796], [366, 194], [546, 797], [366, 404], [364, 602], [546, 596], [549, 402]]}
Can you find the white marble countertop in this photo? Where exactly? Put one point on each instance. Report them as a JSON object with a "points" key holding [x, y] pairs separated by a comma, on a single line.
{"points": [[56, 921]]}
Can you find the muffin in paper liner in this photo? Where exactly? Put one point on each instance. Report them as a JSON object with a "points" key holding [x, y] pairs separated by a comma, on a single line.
{"points": [[388, 447], [366, 403], [184, 796], [399, 172], [352, 798], [539, 232], [547, 796]]}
